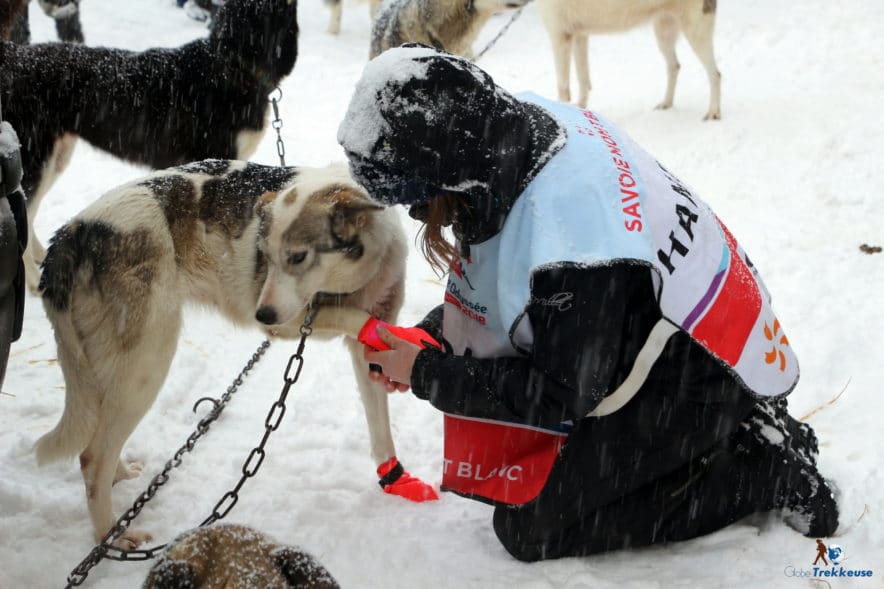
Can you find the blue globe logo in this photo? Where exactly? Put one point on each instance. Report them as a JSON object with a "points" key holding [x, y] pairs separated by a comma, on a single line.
{"points": [[836, 554]]}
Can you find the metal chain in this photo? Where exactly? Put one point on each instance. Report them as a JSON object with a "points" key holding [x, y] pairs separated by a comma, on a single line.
{"points": [[499, 34], [105, 549], [277, 124]]}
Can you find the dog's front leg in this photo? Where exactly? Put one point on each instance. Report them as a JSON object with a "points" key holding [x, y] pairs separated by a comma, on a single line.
{"points": [[340, 321], [374, 400]]}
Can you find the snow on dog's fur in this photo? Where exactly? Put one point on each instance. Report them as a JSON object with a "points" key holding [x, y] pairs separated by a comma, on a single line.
{"points": [[569, 23], [226, 555], [450, 25], [257, 243], [160, 107]]}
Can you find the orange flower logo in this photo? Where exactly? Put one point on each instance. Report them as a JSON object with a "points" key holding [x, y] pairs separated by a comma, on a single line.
{"points": [[771, 335]]}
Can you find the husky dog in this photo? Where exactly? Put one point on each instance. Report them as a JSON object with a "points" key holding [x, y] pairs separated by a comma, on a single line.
{"points": [[160, 107], [215, 556], [257, 243], [449, 25], [336, 7], [569, 23]]}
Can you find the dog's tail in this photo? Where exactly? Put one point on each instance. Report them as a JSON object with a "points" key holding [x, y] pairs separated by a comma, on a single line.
{"points": [[70, 247], [81, 406], [75, 428]]}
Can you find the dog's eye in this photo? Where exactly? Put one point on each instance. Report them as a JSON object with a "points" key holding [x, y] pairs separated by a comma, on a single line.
{"points": [[296, 258]]}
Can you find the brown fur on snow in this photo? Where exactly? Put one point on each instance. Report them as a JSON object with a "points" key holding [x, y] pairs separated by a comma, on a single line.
{"points": [[235, 557]]}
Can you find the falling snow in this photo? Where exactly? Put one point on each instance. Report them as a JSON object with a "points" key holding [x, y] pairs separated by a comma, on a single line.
{"points": [[793, 168]]}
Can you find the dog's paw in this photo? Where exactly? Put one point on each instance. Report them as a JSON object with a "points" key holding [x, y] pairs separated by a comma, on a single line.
{"points": [[663, 106], [712, 116], [128, 470], [132, 539]]}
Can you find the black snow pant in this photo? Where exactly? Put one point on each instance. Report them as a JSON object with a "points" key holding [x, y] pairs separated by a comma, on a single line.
{"points": [[766, 463]]}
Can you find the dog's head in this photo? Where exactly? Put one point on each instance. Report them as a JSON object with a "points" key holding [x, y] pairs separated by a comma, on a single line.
{"points": [[262, 35], [317, 236], [226, 555]]}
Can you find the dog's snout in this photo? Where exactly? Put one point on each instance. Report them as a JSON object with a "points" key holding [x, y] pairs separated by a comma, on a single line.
{"points": [[267, 315]]}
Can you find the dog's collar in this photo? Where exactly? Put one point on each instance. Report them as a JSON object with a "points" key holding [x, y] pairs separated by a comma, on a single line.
{"points": [[322, 299]]}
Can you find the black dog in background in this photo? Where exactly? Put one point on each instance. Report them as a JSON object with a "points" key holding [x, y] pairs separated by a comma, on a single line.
{"points": [[160, 107]]}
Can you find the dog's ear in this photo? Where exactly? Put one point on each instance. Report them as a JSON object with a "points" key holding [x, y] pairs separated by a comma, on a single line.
{"points": [[171, 574], [265, 199], [351, 210], [302, 570], [262, 208]]}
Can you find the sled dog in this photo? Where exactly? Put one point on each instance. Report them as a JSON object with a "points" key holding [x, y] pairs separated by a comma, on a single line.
{"points": [[569, 23], [449, 25], [229, 555], [256, 243], [159, 107]]}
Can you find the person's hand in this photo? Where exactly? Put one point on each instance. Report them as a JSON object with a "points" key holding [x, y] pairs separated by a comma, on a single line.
{"points": [[396, 362], [393, 337], [389, 385]]}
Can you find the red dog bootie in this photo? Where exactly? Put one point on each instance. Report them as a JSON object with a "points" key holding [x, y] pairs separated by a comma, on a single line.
{"points": [[395, 480], [368, 335]]}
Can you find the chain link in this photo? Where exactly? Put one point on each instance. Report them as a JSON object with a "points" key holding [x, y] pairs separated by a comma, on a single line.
{"points": [[277, 124], [105, 549]]}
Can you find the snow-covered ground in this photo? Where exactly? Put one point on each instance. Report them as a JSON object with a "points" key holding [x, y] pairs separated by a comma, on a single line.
{"points": [[794, 169]]}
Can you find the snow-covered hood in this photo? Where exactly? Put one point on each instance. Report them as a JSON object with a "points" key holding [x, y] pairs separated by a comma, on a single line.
{"points": [[423, 121]]}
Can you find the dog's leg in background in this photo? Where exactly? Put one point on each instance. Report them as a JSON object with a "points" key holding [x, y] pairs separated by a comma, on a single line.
{"points": [[334, 21], [581, 67], [698, 29], [666, 30], [373, 8], [561, 43], [560, 40]]}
